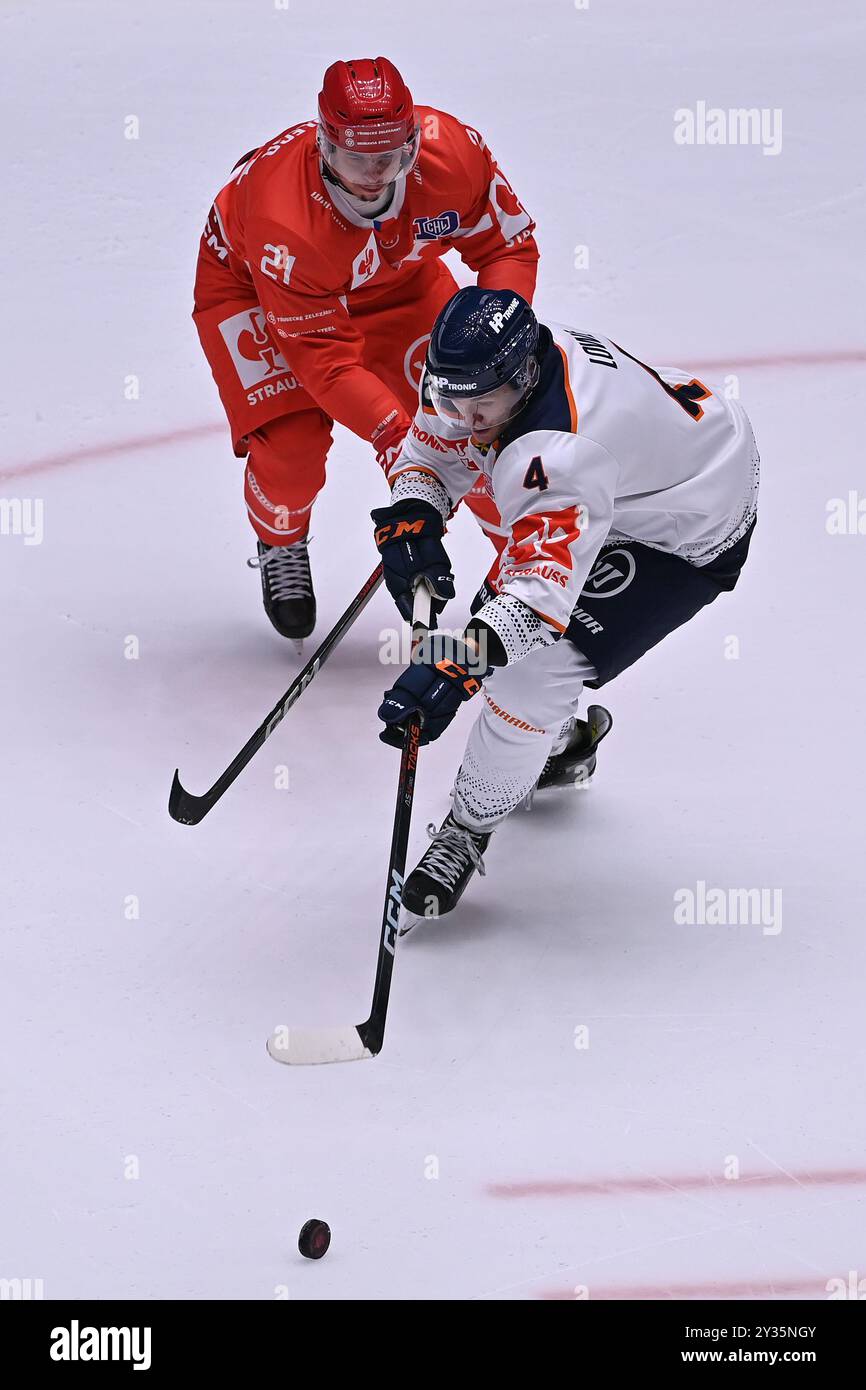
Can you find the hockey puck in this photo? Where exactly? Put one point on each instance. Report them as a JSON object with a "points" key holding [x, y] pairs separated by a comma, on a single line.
{"points": [[314, 1239]]}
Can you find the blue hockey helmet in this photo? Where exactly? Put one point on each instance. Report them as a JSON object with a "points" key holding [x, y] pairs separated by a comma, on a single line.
{"points": [[481, 361]]}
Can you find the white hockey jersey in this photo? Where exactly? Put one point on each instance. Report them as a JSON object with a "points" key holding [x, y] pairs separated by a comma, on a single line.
{"points": [[607, 448]]}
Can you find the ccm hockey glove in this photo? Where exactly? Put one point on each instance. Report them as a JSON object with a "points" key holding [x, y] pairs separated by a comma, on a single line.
{"points": [[409, 539], [443, 673]]}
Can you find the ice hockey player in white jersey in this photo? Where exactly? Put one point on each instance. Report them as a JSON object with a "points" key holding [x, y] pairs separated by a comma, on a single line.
{"points": [[629, 498]]}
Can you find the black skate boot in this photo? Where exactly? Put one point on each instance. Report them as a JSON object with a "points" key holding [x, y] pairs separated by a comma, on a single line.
{"points": [[287, 588], [436, 885], [576, 762]]}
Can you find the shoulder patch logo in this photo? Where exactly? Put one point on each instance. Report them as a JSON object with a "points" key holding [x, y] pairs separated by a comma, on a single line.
{"points": [[546, 536], [431, 228]]}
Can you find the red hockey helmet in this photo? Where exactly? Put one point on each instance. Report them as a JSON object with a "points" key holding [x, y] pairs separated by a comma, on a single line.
{"points": [[365, 105], [368, 134]]}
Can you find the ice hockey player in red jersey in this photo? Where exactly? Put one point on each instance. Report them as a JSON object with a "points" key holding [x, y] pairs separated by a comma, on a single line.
{"points": [[629, 498], [319, 277]]}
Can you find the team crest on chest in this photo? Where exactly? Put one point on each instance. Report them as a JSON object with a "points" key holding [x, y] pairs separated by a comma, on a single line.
{"points": [[366, 263], [431, 228]]}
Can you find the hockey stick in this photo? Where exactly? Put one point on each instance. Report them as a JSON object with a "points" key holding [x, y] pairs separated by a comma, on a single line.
{"points": [[189, 809], [306, 1046]]}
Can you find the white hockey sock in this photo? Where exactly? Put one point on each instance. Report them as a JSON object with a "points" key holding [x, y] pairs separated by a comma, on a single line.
{"points": [[484, 793], [527, 711]]}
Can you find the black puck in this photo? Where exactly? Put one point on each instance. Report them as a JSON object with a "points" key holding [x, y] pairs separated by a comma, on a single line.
{"points": [[314, 1239]]}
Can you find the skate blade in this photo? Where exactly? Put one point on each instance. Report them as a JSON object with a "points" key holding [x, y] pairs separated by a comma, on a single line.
{"points": [[298, 645], [409, 922], [577, 783]]}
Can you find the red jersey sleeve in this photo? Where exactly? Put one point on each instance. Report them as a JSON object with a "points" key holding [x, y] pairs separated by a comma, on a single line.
{"points": [[498, 240], [322, 344]]}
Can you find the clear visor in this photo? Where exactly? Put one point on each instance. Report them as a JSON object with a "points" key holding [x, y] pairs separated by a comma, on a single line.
{"points": [[486, 414], [370, 171]]}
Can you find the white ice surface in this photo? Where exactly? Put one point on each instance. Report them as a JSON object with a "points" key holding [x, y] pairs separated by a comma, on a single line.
{"points": [[144, 1039]]}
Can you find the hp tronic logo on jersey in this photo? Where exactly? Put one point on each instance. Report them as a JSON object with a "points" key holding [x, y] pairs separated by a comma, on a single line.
{"points": [[498, 320]]}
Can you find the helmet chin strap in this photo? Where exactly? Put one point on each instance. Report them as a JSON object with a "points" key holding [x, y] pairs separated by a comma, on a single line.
{"points": [[526, 398], [330, 176]]}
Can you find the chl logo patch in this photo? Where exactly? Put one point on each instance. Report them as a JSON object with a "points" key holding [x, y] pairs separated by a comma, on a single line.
{"points": [[612, 572], [431, 228]]}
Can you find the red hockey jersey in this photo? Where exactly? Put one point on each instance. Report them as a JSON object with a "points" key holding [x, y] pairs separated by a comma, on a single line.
{"points": [[317, 267]]}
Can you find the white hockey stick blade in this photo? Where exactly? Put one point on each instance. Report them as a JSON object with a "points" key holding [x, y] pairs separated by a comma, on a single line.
{"points": [[306, 1047]]}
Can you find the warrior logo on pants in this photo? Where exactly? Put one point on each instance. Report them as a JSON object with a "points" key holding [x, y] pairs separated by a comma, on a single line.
{"points": [[612, 572], [254, 356]]}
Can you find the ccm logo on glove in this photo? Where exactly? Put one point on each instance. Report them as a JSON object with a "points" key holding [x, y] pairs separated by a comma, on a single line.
{"points": [[454, 672], [395, 529], [408, 536]]}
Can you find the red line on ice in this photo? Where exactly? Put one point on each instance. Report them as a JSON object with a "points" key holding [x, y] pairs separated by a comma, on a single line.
{"points": [[742, 1288], [113, 447], [87, 452], [618, 1187]]}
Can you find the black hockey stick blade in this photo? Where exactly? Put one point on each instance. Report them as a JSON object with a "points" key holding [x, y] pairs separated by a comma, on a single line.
{"points": [[188, 809]]}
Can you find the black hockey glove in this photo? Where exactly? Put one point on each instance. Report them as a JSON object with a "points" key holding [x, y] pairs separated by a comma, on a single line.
{"points": [[409, 539], [443, 673]]}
